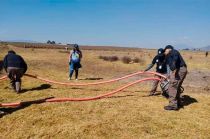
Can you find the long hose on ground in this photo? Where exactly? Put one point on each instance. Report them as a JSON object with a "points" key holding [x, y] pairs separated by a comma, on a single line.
{"points": [[93, 83], [83, 84], [16, 104]]}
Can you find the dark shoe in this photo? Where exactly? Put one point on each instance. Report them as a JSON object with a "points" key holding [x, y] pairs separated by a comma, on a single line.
{"points": [[18, 87], [169, 108]]}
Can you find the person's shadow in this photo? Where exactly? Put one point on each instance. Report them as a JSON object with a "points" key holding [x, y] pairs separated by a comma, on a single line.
{"points": [[41, 87], [27, 103], [187, 100], [22, 106]]}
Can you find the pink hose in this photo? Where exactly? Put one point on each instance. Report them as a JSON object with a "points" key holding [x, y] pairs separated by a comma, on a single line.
{"points": [[16, 104], [95, 83], [3, 78], [86, 84]]}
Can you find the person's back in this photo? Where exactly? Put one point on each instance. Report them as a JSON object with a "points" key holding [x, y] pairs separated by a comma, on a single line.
{"points": [[13, 60], [177, 59]]}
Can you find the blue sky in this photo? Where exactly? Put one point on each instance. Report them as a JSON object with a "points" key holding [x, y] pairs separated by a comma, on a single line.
{"points": [[134, 23]]}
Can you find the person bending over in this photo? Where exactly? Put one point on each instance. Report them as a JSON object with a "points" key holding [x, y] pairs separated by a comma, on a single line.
{"points": [[178, 72], [15, 66], [161, 68]]}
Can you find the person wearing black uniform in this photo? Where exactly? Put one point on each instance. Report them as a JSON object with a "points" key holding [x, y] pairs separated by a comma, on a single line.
{"points": [[177, 73], [15, 66], [161, 68]]}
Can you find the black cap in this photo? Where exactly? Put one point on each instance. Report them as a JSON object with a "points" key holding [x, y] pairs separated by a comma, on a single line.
{"points": [[11, 52], [169, 47], [160, 51]]}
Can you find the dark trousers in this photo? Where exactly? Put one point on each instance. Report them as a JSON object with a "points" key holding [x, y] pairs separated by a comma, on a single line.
{"points": [[175, 86], [76, 73], [74, 66], [15, 75]]}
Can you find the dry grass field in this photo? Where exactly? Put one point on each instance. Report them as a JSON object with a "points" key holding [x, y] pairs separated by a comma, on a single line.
{"points": [[128, 114]]}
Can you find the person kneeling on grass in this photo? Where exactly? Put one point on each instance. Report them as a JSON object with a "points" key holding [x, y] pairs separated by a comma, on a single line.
{"points": [[74, 61], [161, 68], [15, 66]]}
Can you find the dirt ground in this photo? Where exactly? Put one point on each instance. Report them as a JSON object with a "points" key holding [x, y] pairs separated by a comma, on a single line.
{"points": [[198, 79], [129, 114]]}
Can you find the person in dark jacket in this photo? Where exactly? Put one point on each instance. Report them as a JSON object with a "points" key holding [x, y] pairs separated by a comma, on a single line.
{"points": [[161, 68], [177, 69], [74, 61], [15, 66]]}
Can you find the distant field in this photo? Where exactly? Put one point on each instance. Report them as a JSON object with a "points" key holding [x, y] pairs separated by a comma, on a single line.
{"points": [[129, 114]]}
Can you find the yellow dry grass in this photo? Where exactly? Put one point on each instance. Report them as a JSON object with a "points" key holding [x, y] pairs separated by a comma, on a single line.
{"points": [[127, 115]]}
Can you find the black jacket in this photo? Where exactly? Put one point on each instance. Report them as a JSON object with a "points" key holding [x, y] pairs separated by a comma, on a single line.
{"points": [[13, 60], [160, 62], [175, 60]]}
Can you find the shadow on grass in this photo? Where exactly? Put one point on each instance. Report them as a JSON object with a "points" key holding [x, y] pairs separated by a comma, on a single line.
{"points": [[77, 88], [156, 94], [120, 96], [41, 87], [6, 111], [92, 79], [187, 100]]}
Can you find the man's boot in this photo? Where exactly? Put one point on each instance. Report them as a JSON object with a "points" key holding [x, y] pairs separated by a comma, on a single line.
{"points": [[18, 86]]}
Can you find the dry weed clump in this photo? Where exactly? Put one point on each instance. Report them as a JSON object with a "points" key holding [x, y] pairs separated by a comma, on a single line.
{"points": [[109, 58], [126, 60], [138, 60], [191, 57]]}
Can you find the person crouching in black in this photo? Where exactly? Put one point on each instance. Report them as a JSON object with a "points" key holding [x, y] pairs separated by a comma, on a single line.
{"points": [[161, 68]]}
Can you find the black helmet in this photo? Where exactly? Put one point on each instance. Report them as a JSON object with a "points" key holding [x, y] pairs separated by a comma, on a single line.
{"points": [[160, 51], [169, 47], [11, 52]]}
